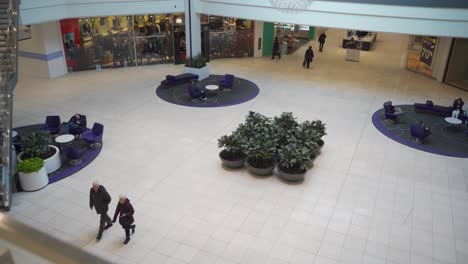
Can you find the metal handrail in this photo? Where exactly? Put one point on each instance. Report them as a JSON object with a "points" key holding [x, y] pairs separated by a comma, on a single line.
{"points": [[43, 245]]}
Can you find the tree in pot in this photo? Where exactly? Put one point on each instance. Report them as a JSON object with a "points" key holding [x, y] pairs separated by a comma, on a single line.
{"points": [[309, 138], [32, 174], [259, 143], [284, 126], [293, 159], [232, 155], [36, 145], [319, 128], [197, 62]]}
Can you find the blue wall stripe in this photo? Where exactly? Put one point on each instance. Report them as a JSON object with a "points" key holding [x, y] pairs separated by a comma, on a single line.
{"points": [[39, 56], [419, 3]]}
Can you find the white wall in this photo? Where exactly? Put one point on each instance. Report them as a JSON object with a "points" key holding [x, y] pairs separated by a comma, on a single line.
{"points": [[39, 11], [35, 54], [371, 17], [258, 33]]}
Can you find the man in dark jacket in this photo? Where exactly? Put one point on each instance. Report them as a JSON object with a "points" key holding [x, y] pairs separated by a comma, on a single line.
{"points": [[276, 49], [309, 55], [321, 40], [125, 209], [100, 199]]}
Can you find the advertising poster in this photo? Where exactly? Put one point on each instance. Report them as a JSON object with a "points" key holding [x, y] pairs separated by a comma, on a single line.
{"points": [[427, 51]]}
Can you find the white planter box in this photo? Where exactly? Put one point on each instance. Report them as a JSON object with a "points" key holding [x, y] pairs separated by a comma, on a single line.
{"points": [[34, 181], [51, 164], [202, 73]]}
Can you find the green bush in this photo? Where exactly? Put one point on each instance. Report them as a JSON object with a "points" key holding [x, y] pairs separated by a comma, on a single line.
{"points": [[258, 137], [196, 62], [36, 145], [30, 165]]}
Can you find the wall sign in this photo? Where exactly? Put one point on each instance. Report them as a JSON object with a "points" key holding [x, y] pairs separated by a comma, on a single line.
{"points": [[24, 32], [427, 51]]}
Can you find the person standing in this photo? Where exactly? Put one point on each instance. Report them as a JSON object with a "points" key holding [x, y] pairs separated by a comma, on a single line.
{"points": [[276, 49], [100, 199], [308, 57], [125, 212], [321, 41]]}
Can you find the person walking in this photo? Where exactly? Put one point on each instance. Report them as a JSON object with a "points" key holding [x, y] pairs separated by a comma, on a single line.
{"points": [[321, 40], [276, 49], [100, 199], [125, 212], [308, 57]]}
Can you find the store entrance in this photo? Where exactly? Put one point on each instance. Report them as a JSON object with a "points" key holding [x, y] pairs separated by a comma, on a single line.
{"points": [[457, 70]]}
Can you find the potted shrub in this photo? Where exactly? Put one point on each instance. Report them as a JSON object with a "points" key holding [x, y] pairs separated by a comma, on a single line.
{"points": [[284, 126], [310, 138], [38, 145], [32, 174], [232, 156], [197, 65], [319, 128], [294, 157], [259, 143]]}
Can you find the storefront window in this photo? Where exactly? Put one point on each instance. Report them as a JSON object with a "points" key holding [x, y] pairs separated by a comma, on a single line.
{"points": [[117, 41], [421, 51], [229, 37]]}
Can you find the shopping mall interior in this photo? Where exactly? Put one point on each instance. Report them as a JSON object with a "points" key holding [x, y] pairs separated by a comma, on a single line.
{"points": [[209, 130]]}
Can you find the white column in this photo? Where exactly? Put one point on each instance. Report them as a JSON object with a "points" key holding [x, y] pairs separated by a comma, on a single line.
{"points": [[192, 29], [42, 55], [258, 36], [441, 57]]}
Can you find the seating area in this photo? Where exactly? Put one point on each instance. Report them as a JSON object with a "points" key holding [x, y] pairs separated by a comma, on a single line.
{"points": [[214, 91], [425, 127], [69, 146], [445, 111], [172, 80]]}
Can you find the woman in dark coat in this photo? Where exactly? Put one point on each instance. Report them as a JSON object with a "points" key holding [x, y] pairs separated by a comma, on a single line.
{"points": [[309, 55], [125, 210]]}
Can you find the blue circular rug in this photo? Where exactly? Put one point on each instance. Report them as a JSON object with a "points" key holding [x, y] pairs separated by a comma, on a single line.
{"points": [[242, 91], [446, 139], [66, 169]]}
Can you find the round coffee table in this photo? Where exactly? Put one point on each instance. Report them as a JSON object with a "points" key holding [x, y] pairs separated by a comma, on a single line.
{"points": [[453, 121], [212, 88], [65, 139]]}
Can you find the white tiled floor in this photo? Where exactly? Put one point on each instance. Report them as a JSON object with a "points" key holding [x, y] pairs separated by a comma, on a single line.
{"points": [[367, 200]]}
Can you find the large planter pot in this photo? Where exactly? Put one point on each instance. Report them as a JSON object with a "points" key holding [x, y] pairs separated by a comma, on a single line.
{"points": [[230, 163], [34, 181], [261, 171], [52, 163], [291, 176], [202, 73]]}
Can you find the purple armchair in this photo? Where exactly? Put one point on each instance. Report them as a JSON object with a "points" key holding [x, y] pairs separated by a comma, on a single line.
{"points": [[389, 114], [94, 136], [74, 153], [196, 93], [52, 124], [227, 82], [419, 132]]}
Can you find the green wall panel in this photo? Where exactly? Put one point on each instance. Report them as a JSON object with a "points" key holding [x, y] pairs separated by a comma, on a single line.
{"points": [[311, 32], [268, 34]]}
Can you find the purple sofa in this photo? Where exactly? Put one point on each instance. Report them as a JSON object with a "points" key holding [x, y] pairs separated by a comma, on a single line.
{"points": [[431, 108], [172, 80], [196, 93], [227, 81]]}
